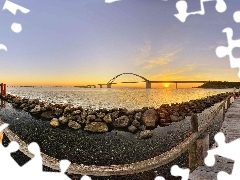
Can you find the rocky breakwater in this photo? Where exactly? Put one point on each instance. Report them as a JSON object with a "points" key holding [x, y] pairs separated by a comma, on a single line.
{"points": [[138, 121]]}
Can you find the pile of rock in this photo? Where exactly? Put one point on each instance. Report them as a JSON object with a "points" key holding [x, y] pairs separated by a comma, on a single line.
{"points": [[105, 120]]}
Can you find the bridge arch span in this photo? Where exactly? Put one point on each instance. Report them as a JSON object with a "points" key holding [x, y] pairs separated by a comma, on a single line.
{"points": [[148, 83], [114, 78]]}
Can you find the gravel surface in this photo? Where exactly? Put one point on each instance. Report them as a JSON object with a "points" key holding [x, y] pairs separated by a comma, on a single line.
{"points": [[116, 147]]}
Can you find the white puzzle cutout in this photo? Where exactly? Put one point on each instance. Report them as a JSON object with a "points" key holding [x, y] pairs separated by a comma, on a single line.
{"points": [[223, 51], [182, 7], [10, 170], [229, 151], [177, 171], [13, 8]]}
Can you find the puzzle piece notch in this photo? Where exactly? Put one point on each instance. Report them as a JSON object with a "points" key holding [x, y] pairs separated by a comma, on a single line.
{"points": [[182, 7], [12, 7], [159, 178], [177, 171], [236, 16], [227, 150], [223, 51]]}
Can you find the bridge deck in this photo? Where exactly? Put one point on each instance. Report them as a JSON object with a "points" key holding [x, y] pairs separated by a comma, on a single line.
{"points": [[231, 130]]}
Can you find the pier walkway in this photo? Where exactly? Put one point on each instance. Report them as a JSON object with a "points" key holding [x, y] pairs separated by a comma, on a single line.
{"points": [[231, 130]]}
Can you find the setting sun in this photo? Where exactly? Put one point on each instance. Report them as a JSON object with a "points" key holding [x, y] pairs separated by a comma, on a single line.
{"points": [[166, 85]]}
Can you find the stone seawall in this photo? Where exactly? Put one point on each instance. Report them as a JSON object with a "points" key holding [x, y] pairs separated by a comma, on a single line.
{"points": [[140, 121]]}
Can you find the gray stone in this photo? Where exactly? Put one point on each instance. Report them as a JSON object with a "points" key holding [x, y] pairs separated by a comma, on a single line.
{"points": [[138, 116], [84, 114], [132, 128], [74, 125], [17, 100], [174, 118], [67, 110], [54, 122], [162, 115], [115, 114], [149, 118], [130, 112], [145, 134], [36, 109], [47, 115], [77, 112], [122, 121], [91, 118], [100, 115], [136, 123], [142, 127], [96, 127], [108, 118], [63, 120]]}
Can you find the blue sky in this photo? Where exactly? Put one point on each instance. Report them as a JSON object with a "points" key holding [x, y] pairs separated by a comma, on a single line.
{"points": [[88, 41]]}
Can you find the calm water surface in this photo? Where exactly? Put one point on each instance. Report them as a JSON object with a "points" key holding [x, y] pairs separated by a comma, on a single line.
{"points": [[95, 98]]}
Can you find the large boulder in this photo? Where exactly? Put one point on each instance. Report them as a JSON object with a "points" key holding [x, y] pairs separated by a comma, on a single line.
{"points": [[36, 110], [122, 121], [47, 115], [17, 100], [150, 117], [74, 125], [96, 127]]}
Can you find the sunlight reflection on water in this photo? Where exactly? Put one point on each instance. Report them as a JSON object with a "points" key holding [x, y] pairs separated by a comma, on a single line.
{"points": [[95, 98]]}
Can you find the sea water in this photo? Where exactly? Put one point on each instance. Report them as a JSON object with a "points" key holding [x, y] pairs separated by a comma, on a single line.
{"points": [[96, 98]]}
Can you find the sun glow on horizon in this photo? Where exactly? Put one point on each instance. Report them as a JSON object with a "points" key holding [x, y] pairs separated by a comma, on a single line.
{"points": [[166, 85]]}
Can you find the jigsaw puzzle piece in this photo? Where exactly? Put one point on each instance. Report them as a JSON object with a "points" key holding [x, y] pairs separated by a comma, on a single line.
{"points": [[222, 51], [177, 171], [182, 7]]}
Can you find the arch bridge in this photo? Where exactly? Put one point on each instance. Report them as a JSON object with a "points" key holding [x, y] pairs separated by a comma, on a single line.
{"points": [[111, 81], [148, 82]]}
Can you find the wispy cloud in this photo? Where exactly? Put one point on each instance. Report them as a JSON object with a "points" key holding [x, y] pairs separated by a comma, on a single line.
{"points": [[175, 74], [162, 60], [148, 58]]}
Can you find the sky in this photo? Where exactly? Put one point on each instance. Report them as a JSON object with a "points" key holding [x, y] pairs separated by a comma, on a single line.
{"points": [[80, 42]]}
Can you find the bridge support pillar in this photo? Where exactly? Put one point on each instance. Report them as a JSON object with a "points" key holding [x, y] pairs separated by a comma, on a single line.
{"points": [[198, 151], [100, 85], [148, 85], [109, 85], [176, 85]]}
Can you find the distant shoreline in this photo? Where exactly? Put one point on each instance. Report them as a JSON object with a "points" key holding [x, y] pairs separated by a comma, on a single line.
{"points": [[219, 85]]}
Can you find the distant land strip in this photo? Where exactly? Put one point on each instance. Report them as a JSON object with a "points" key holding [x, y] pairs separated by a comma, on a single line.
{"points": [[219, 85]]}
